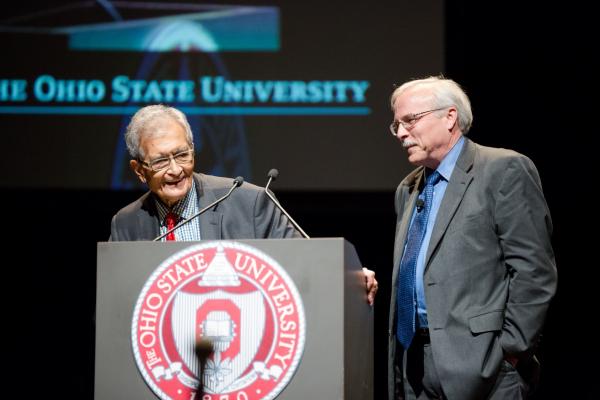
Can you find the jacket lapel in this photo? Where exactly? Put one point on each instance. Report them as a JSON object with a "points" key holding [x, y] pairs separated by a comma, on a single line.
{"points": [[459, 182], [408, 199], [148, 224], [210, 221]]}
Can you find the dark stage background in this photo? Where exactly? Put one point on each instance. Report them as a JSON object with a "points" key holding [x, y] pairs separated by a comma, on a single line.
{"points": [[526, 70]]}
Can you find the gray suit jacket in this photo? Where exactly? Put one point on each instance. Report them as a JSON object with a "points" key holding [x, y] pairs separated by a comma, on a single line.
{"points": [[489, 271], [247, 214]]}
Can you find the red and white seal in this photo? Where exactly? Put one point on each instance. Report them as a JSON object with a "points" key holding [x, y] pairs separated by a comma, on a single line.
{"points": [[236, 297]]}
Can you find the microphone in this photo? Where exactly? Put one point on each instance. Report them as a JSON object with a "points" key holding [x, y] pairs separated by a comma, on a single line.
{"points": [[420, 204], [273, 174], [236, 183], [203, 349]]}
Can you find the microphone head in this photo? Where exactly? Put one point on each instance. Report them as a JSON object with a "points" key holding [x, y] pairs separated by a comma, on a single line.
{"points": [[273, 174], [420, 204], [204, 348], [238, 181]]}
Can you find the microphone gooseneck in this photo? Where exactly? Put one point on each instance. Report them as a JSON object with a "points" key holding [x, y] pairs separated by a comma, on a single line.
{"points": [[273, 174], [237, 182]]}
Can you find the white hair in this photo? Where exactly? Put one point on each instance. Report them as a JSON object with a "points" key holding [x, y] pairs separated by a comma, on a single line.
{"points": [[444, 92], [146, 115]]}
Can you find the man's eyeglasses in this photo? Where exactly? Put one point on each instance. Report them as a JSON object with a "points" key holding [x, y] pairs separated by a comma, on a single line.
{"points": [[181, 158], [410, 120]]}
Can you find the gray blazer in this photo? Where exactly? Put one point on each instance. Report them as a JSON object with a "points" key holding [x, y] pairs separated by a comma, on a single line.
{"points": [[247, 214], [489, 271]]}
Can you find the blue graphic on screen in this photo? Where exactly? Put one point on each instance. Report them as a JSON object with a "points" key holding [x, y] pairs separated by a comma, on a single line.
{"points": [[235, 29], [145, 26], [169, 53], [219, 141], [171, 28], [178, 41]]}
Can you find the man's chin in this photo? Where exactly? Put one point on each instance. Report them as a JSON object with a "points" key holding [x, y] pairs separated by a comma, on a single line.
{"points": [[171, 194], [172, 197], [415, 160]]}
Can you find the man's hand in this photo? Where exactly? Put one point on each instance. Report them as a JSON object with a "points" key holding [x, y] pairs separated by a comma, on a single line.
{"points": [[371, 285]]}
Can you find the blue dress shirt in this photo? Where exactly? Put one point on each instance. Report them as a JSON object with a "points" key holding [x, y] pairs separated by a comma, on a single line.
{"points": [[445, 169]]}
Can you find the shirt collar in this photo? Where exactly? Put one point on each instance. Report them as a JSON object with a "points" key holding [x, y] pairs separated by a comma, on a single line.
{"points": [[447, 165]]}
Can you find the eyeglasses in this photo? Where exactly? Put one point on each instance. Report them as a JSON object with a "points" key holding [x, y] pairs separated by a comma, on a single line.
{"points": [[181, 158], [411, 120]]}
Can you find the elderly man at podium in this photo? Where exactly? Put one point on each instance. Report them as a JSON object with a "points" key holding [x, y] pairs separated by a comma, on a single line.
{"points": [[160, 142]]}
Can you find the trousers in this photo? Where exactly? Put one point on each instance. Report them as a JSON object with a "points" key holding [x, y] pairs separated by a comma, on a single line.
{"points": [[421, 381]]}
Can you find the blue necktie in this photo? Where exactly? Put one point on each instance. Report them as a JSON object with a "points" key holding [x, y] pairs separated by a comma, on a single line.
{"points": [[406, 305]]}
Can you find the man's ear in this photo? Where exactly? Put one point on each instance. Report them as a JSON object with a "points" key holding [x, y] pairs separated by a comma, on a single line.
{"points": [[452, 117], [138, 169]]}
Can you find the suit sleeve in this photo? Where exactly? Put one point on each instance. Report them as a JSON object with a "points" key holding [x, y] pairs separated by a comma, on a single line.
{"points": [[269, 221], [524, 230], [114, 235]]}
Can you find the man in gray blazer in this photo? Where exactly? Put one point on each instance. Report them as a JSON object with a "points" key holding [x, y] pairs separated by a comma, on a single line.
{"points": [[247, 213], [474, 270], [160, 142]]}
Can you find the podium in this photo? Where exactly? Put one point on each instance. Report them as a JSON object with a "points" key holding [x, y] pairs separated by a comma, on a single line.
{"points": [[330, 328]]}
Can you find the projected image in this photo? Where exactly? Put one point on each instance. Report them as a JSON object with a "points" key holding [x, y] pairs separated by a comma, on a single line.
{"points": [[262, 86], [153, 29], [219, 140]]}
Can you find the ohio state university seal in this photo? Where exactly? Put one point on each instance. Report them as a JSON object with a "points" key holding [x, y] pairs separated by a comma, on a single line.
{"points": [[236, 297]]}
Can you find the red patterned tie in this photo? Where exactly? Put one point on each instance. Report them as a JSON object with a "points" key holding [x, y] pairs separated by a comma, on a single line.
{"points": [[171, 220]]}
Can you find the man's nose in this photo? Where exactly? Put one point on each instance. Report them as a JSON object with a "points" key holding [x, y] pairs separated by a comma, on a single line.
{"points": [[402, 133], [174, 168]]}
